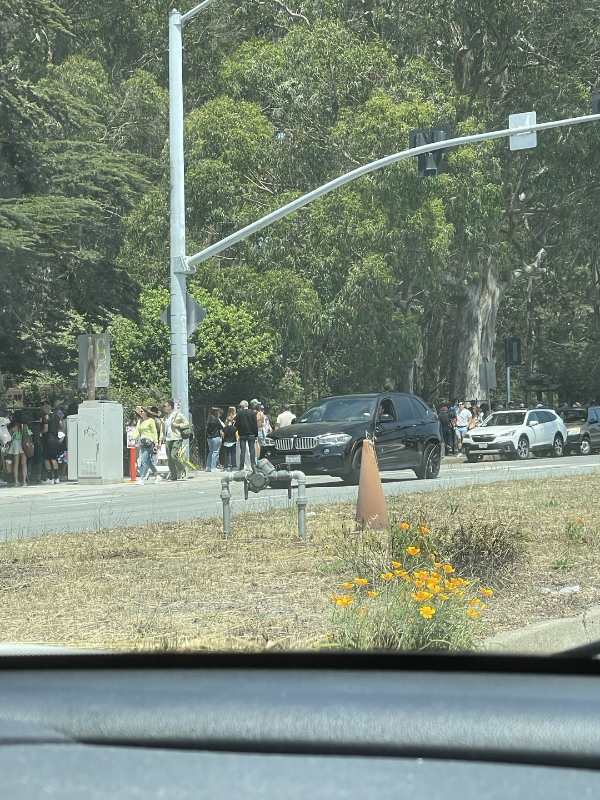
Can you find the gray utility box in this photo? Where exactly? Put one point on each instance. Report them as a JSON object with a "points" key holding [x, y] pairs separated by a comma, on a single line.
{"points": [[100, 442]]}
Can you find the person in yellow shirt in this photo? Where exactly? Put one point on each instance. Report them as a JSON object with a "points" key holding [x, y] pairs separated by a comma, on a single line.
{"points": [[147, 435]]}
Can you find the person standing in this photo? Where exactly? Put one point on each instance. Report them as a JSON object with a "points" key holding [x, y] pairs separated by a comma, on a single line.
{"points": [[448, 422], [214, 429], [462, 422], [247, 427], [285, 418], [174, 422], [19, 431], [51, 445], [147, 436], [230, 439]]}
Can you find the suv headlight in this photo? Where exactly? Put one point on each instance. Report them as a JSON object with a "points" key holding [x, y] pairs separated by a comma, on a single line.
{"points": [[269, 442], [334, 438], [577, 429], [505, 434]]}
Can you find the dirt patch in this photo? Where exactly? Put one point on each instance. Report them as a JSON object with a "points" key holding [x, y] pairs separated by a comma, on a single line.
{"points": [[184, 586]]}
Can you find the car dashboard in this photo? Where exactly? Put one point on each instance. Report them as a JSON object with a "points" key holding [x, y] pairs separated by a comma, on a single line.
{"points": [[298, 725]]}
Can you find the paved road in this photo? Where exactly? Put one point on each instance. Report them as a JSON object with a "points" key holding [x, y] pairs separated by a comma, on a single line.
{"points": [[30, 511]]}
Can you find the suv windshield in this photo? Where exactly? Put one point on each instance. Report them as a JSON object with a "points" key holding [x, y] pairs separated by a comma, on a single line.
{"points": [[341, 409], [573, 415], [506, 418]]}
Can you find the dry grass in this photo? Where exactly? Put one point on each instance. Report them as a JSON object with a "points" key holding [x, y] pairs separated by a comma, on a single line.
{"points": [[183, 586]]}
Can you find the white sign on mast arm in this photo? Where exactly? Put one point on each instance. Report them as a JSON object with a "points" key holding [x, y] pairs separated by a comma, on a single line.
{"points": [[522, 141]]}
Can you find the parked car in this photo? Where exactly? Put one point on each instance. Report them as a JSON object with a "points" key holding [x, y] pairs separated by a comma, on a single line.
{"points": [[583, 429], [327, 439], [513, 434]]}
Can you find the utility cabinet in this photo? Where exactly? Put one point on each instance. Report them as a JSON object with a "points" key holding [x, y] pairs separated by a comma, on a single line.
{"points": [[100, 434]]}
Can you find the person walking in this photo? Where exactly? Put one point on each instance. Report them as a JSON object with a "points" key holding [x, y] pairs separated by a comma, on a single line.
{"points": [[214, 429], [51, 444], [20, 433], [147, 435], [230, 439], [247, 427], [174, 421], [285, 418], [448, 422]]}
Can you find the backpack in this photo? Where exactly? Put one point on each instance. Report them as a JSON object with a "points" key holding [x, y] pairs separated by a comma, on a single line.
{"points": [[187, 430]]}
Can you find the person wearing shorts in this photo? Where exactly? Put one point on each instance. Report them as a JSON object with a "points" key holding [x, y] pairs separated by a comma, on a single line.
{"points": [[463, 415], [52, 447]]}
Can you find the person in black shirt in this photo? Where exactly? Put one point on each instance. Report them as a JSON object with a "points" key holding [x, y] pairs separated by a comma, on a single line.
{"points": [[51, 445], [230, 439], [247, 426], [214, 428], [448, 422]]}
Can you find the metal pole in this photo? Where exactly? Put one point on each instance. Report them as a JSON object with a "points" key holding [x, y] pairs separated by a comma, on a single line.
{"points": [[226, 497], [179, 354], [301, 501], [507, 385], [300, 202]]}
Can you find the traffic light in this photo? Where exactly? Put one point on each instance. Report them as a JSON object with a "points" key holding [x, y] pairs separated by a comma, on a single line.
{"points": [[512, 352], [429, 163]]}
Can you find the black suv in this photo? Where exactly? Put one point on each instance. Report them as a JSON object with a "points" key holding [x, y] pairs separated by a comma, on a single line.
{"points": [[327, 439], [583, 429]]}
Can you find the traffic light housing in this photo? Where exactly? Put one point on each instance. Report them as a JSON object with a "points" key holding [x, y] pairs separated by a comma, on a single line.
{"points": [[429, 163], [512, 351]]}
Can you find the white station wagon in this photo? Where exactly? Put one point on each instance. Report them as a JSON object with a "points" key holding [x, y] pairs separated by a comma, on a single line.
{"points": [[514, 433]]}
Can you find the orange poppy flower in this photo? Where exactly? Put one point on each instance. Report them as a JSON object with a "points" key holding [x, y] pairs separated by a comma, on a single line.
{"points": [[580, 520], [348, 585], [474, 602], [437, 564], [420, 597], [345, 601], [396, 564], [472, 613], [487, 592], [413, 551], [387, 576], [361, 581], [427, 612], [372, 594], [433, 587], [403, 574], [422, 575], [424, 530], [444, 596], [448, 568], [419, 583], [405, 526]]}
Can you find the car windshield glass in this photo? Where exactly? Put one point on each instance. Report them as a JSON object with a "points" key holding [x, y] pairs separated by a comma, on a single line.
{"points": [[506, 418], [573, 415], [341, 409]]}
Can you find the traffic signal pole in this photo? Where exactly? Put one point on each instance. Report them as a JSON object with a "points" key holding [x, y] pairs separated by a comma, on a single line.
{"points": [[331, 186]]}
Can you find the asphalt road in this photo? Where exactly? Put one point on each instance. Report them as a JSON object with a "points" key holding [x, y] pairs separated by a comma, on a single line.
{"points": [[31, 511]]}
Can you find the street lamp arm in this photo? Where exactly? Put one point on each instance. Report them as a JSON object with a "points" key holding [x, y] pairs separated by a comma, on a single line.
{"points": [[196, 10], [336, 183]]}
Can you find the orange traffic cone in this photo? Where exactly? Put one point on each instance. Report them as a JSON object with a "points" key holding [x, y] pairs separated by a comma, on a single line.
{"points": [[371, 509]]}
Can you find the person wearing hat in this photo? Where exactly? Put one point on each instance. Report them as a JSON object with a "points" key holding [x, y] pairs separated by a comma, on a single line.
{"points": [[147, 435]]}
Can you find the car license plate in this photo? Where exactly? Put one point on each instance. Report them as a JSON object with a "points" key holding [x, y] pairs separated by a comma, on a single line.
{"points": [[293, 460], [482, 445]]}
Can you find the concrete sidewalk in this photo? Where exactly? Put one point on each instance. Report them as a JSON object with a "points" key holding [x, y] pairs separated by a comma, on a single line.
{"points": [[549, 635]]}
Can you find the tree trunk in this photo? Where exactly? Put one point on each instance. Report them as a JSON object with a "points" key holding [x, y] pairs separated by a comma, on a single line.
{"points": [[475, 329]]}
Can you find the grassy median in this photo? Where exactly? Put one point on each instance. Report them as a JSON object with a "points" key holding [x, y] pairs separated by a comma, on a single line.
{"points": [[182, 585]]}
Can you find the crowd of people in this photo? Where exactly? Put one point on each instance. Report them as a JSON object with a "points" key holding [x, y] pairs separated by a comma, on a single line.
{"points": [[34, 452]]}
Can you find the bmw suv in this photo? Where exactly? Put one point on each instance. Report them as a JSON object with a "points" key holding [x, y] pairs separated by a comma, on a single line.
{"points": [[327, 439]]}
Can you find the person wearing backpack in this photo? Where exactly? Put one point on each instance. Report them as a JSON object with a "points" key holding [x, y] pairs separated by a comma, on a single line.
{"points": [[175, 426]]}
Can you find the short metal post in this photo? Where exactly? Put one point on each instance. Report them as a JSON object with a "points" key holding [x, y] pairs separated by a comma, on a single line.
{"points": [[226, 497], [301, 502]]}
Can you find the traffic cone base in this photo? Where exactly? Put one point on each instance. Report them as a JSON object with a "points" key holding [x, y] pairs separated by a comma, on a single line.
{"points": [[371, 508]]}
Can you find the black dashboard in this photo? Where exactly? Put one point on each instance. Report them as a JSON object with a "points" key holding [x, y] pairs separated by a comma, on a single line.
{"points": [[298, 725]]}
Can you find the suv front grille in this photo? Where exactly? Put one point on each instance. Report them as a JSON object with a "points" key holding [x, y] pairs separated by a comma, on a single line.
{"points": [[483, 437], [296, 443]]}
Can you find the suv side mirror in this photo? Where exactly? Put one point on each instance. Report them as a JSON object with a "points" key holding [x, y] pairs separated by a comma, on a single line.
{"points": [[293, 422], [385, 418], [533, 423]]}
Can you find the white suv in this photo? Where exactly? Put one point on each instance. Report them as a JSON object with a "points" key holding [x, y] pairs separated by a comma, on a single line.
{"points": [[515, 433]]}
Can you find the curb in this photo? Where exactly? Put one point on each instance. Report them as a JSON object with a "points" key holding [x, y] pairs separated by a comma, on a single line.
{"points": [[548, 636]]}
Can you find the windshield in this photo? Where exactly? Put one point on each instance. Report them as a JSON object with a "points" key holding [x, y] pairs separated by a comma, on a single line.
{"points": [[341, 409], [573, 415], [505, 418]]}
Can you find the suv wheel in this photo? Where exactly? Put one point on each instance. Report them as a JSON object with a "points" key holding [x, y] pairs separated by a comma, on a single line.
{"points": [[585, 447], [430, 466], [353, 476], [522, 448], [557, 446]]}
